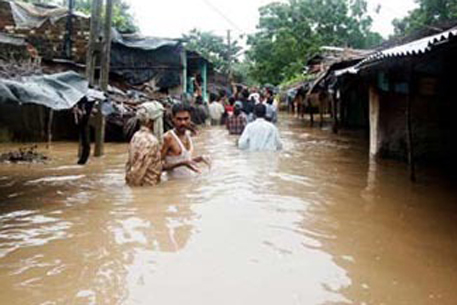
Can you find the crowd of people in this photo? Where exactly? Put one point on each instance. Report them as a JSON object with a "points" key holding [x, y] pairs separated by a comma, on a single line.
{"points": [[164, 143]]}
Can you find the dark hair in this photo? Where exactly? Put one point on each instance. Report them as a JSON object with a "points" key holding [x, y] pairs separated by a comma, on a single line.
{"points": [[232, 101], [245, 93], [260, 110], [213, 97], [164, 90], [199, 100], [222, 93], [180, 107]]}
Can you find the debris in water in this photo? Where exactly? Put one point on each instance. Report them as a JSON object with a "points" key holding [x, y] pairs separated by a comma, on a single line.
{"points": [[25, 154]]}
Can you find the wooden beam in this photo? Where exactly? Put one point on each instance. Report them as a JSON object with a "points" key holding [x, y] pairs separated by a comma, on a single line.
{"points": [[409, 127]]}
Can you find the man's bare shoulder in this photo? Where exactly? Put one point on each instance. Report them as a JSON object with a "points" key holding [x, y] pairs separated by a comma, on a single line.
{"points": [[167, 137]]}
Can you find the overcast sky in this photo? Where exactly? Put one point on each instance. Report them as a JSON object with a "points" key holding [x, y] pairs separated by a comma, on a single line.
{"points": [[171, 18]]}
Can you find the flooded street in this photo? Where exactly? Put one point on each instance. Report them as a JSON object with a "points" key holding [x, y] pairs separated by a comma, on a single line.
{"points": [[315, 224]]}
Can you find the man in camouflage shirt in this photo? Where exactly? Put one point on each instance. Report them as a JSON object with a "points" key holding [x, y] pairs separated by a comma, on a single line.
{"points": [[144, 165]]}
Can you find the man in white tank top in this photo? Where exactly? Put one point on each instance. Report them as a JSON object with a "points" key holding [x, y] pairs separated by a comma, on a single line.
{"points": [[177, 146]]}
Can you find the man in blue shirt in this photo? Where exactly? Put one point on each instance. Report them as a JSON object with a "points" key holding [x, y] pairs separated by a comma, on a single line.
{"points": [[260, 135]]}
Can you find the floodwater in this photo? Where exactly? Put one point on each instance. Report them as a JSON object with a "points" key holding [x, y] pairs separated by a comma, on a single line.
{"points": [[315, 224]]}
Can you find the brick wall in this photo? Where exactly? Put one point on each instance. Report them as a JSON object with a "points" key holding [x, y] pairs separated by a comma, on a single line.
{"points": [[49, 38]]}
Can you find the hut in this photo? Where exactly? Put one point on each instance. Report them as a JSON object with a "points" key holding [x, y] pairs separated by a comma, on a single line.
{"points": [[411, 99]]}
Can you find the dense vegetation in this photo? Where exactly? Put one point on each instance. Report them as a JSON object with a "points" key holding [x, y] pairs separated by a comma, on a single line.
{"points": [[289, 33], [429, 13]]}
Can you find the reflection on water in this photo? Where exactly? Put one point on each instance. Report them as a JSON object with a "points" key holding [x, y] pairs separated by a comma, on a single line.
{"points": [[316, 224]]}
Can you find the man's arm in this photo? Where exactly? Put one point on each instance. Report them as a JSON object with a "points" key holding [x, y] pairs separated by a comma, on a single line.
{"points": [[191, 164], [278, 141]]}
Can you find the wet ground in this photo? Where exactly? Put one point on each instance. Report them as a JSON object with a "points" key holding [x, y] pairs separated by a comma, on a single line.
{"points": [[315, 224]]}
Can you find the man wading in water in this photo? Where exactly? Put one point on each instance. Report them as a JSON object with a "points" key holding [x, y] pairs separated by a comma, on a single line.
{"points": [[177, 146], [144, 165]]}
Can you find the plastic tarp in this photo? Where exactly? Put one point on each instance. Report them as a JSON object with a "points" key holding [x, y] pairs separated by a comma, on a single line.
{"points": [[57, 91], [144, 43], [139, 60], [11, 40], [32, 16]]}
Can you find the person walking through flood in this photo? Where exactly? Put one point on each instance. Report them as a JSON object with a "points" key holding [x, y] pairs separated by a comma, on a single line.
{"points": [[216, 110], [260, 135], [178, 148], [144, 164], [272, 111], [238, 121]]}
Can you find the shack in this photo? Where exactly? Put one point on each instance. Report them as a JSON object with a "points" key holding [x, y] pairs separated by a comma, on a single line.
{"points": [[34, 108], [412, 100]]}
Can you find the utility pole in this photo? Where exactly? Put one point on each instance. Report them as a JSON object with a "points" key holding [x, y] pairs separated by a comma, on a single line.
{"points": [[68, 43], [93, 50], [106, 58], [99, 53]]}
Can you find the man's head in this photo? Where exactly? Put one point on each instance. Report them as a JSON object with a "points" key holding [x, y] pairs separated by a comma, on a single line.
{"points": [[232, 101], [260, 110], [181, 117], [213, 97], [144, 118], [245, 93], [238, 108]]}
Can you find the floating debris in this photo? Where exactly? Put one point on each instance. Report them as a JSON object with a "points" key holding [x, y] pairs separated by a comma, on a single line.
{"points": [[27, 154]]}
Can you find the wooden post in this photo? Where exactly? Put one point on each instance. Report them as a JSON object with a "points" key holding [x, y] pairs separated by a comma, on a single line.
{"points": [[91, 59], [105, 58], [184, 71], [334, 107], [376, 133], [49, 128], [68, 43], [409, 127], [104, 80], [204, 72]]}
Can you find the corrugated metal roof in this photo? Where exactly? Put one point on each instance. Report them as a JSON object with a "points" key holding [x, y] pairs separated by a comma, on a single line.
{"points": [[416, 47], [413, 48]]}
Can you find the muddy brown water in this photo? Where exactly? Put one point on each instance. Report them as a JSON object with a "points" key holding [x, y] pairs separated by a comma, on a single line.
{"points": [[315, 224]]}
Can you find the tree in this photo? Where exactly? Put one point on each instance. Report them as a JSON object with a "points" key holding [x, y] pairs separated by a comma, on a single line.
{"points": [[123, 19], [290, 32], [212, 47], [428, 14]]}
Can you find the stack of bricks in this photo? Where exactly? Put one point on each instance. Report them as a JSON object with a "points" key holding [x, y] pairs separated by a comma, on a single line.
{"points": [[49, 38]]}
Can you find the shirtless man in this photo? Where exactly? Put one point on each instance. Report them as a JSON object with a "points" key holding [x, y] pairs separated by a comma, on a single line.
{"points": [[177, 146]]}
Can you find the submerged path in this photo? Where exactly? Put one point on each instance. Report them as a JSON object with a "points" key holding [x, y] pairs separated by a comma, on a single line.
{"points": [[315, 224]]}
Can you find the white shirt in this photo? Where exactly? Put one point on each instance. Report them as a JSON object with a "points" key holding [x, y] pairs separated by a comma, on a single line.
{"points": [[260, 135], [216, 110], [254, 96]]}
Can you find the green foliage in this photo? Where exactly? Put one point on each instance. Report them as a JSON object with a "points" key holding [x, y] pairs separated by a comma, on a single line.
{"points": [[212, 47], [428, 13], [299, 78], [290, 32]]}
